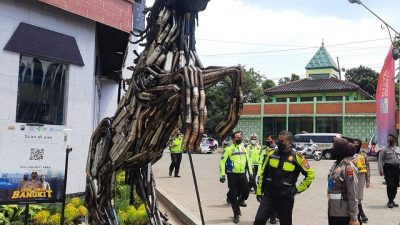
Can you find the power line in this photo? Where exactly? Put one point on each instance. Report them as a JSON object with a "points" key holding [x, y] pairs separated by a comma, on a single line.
{"points": [[258, 52], [289, 49], [250, 53], [275, 44], [251, 43]]}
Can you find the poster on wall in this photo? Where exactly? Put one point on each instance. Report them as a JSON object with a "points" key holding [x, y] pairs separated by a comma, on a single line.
{"points": [[32, 162]]}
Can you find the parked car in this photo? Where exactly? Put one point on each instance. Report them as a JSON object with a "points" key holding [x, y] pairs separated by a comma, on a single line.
{"points": [[324, 141], [227, 142], [208, 145]]}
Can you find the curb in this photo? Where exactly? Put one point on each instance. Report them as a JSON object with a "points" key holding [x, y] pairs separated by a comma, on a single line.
{"points": [[183, 214]]}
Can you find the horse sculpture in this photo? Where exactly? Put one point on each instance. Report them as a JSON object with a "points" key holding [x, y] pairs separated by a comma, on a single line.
{"points": [[166, 92]]}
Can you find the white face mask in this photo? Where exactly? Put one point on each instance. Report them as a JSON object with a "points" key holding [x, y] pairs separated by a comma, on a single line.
{"points": [[253, 142]]}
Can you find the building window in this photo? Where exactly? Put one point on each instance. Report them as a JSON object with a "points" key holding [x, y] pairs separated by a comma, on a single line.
{"points": [[41, 91], [281, 100], [274, 125], [307, 99], [299, 124], [329, 124], [293, 99], [333, 98]]}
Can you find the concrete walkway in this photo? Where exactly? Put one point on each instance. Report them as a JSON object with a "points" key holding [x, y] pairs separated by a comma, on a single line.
{"points": [[310, 206]]}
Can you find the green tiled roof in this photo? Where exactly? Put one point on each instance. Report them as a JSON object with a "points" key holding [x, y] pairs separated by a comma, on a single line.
{"points": [[322, 60]]}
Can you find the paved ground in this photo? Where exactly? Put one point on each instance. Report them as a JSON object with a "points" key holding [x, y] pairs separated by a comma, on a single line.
{"points": [[310, 206]]}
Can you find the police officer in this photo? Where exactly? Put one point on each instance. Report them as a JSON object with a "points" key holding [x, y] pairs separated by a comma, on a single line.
{"points": [[255, 154], [270, 144], [236, 162], [176, 154], [277, 181], [363, 176], [388, 164], [342, 185]]}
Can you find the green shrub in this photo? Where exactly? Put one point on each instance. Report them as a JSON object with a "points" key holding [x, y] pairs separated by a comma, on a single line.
{"points": [[128, 214]]}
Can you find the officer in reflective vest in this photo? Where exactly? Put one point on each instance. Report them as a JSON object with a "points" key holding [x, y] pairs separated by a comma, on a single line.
{"points": [[342, 185], [176, 154], [255, 153], [363, 176], [270, 144], [235, 162], [277, 181]]}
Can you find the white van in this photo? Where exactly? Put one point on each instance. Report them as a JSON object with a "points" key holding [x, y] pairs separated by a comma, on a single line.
{"points": [[324, 141]]}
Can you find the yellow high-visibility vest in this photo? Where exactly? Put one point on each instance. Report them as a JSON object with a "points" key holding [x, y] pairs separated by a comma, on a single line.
{"points": [[361, 165]]}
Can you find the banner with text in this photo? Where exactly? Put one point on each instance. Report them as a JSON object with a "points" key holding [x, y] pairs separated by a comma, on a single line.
{"points": [[385, 101], [32, 162]]}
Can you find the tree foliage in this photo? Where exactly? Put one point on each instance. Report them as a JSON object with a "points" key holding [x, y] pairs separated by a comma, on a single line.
{"points": [[285, 80], [364, 77], [268, 84], [218, 97]]}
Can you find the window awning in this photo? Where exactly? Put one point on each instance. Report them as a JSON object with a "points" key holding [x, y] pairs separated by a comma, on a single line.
{"points": [[47, 44]]}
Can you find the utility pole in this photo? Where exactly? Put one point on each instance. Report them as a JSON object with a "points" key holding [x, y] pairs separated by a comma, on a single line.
{"points": [[340, 73]]}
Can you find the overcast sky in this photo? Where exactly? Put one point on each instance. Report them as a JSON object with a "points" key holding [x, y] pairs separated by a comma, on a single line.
{"points": [[279, 37]]}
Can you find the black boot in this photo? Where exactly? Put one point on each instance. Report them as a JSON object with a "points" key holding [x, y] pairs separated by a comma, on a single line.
{"points": [[362, 216], [236, 218]]}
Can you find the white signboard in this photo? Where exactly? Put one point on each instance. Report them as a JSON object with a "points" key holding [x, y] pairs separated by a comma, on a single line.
{"points": [[32, 162]]}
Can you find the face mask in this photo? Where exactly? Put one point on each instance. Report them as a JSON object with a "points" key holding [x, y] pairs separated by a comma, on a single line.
{"points": [[253, 142], [239, 141], [281, 147], [268, 143]]}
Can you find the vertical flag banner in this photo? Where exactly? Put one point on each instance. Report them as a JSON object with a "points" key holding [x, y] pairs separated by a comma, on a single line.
{"points": [[32, 163], [385, 101]]}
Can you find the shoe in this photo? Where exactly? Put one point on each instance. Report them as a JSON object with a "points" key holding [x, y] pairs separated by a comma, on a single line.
{"points": [[242, 204], [236, 218], [390, 204], [170, 173], [228, 201], [363, 218], [177, 175], [272, 220], [395, 204]]}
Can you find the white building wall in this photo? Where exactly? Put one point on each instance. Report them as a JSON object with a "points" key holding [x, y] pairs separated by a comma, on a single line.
{"points": [[108, 98], [80, 89]]}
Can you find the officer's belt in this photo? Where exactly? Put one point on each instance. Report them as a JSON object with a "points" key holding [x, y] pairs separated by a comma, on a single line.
{"points": [[335, 196], [238, 153]]}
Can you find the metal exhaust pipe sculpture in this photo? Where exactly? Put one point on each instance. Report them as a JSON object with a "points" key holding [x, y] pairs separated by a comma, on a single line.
{"points": [[166, 92]]}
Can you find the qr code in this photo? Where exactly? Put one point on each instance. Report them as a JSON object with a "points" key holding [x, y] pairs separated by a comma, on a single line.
{"points": [[36, 154]]}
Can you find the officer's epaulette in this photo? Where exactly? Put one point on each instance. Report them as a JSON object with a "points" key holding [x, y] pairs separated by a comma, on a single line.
{"points": [[349, 160]]}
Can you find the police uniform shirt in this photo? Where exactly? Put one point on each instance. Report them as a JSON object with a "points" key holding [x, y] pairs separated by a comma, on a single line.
{"points": [[389, 155], [342, 190]]}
